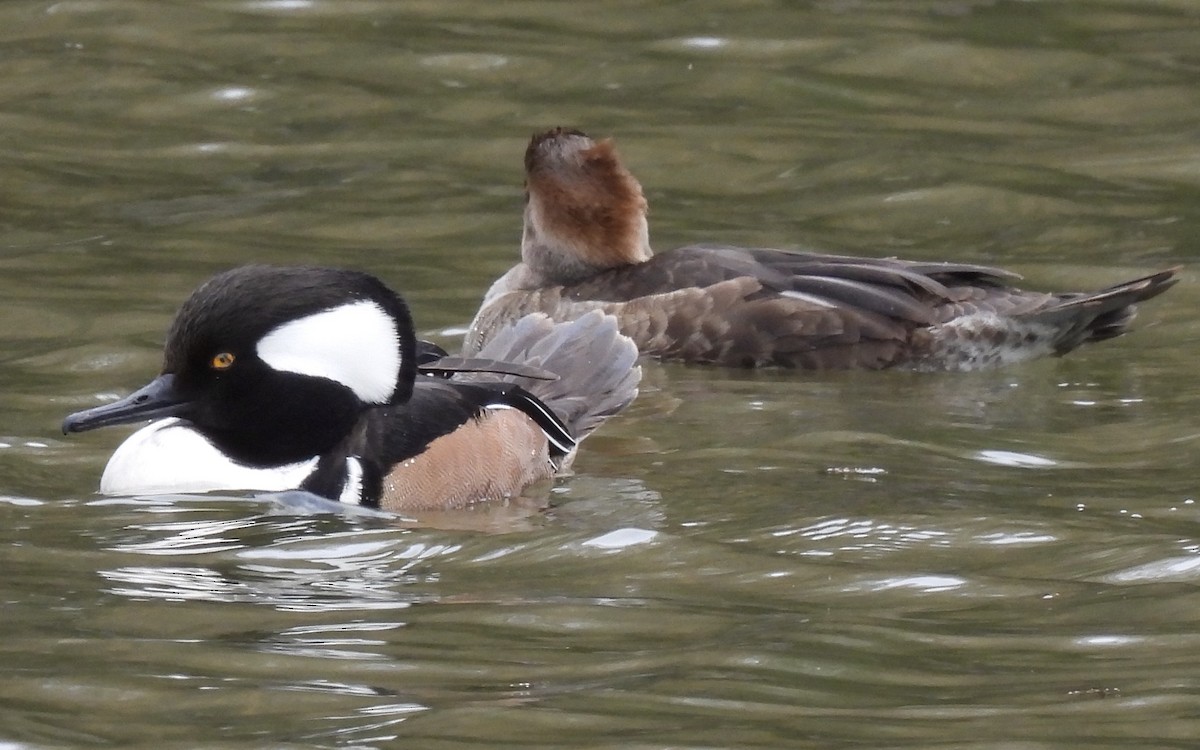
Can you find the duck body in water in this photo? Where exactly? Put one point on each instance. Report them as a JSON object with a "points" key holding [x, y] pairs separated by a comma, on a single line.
{"points": [[585, 247], [281, 378]]}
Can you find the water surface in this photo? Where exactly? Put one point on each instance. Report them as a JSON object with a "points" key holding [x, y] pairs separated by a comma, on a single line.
{"points": [[764, 560]]}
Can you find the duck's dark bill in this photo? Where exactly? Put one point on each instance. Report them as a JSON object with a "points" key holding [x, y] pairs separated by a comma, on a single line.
{"points": [[157, 399]]}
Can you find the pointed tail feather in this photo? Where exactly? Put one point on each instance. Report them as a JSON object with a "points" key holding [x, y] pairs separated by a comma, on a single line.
{"points": [[596, 366], [1096, 316]]}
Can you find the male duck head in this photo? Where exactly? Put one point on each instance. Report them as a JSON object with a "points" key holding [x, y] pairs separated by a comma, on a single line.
{"points": [[275, 365]]}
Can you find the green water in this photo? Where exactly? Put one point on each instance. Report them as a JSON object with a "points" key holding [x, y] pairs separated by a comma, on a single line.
{"points": [[742, 560]]}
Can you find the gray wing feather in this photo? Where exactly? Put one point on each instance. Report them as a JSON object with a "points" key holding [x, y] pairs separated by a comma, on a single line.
{"points": [[596, 365]]}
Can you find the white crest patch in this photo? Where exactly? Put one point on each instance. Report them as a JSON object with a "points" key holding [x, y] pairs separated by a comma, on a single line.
{"points": [[166, 457], [355, 344]]}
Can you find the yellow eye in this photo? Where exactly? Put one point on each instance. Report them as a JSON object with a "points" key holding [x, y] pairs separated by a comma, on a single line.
{"points": [[222, 361]]}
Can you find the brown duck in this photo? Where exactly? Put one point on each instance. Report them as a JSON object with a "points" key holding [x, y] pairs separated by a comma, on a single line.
{"points": [[586, 246]]}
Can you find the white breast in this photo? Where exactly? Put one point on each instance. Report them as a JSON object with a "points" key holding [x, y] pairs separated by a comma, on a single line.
{"points": [[168, 456]]}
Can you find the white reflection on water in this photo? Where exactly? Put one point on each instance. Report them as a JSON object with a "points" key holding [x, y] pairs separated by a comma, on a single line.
{"points": [[865, 528], [176, 584], [704, 42], [335, 688], [281, 588], [396, 713], [1016, 537], [19, 501], [927, 583], [861, 473], [841, 534], [233, 93], [1108, 640], [1014, 459], [621, 538], [301, 570], [280, 5], [1171, 569], [331, 641], [341, 640], [187, 537]]}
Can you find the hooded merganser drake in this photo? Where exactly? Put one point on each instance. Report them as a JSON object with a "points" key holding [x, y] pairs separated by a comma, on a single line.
{"points": [[586, 247], [279, 378]]}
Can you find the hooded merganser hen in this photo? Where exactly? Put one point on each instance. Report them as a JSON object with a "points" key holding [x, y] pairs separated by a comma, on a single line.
{"points": [[586, 247], [307, 378]]}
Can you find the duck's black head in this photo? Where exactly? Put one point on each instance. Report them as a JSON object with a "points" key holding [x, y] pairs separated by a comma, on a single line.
{"points": [[276, 364]]}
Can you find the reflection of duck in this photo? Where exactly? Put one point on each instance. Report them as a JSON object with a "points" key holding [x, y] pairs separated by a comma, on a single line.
{"points": [[586, 247], [285, 378]]}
